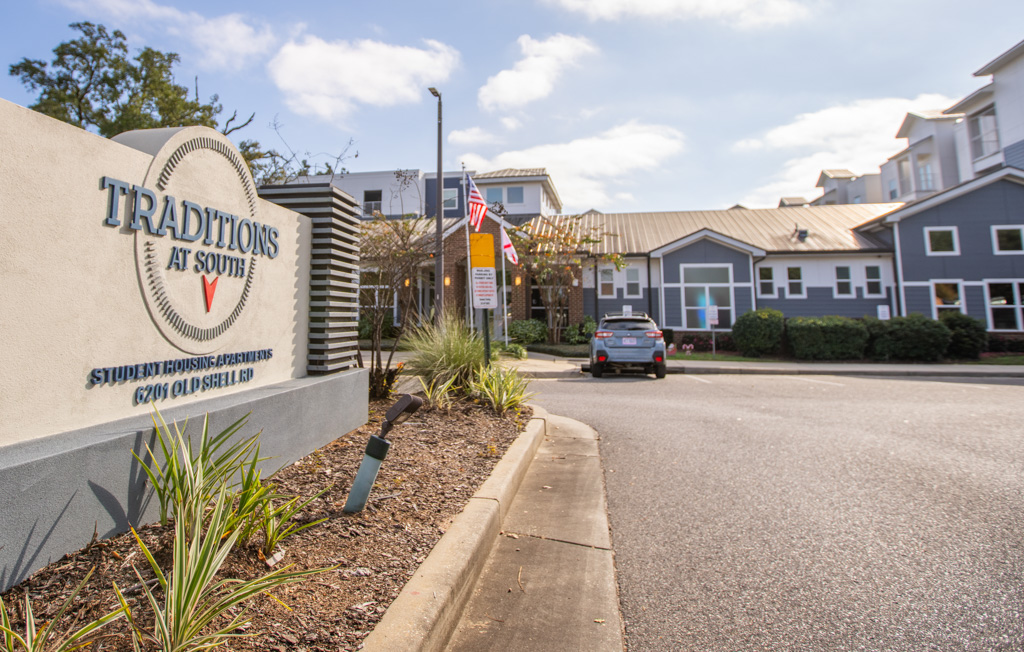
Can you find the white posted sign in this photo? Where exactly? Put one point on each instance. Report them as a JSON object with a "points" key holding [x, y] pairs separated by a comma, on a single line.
{"points": [[485, 288], [713, 315]]}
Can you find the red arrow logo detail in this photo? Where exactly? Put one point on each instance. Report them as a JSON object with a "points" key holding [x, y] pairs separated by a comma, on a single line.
{"points": [[208, 290]]}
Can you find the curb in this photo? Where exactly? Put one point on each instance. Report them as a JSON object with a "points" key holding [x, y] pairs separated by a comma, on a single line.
{"points": [[806, 371], [424, 615]]}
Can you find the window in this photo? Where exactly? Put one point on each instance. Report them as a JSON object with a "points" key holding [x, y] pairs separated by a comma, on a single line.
{"points": [[925, 180], [451, 198], [371, 202], [893, 192], [1006, 306], [607, 282], [947, 297], [904, 173], [1008, 240], [495, 195], [766, 282], [873, 288], [984, 133], [633, 282], [515, 194], [795, 283], [941, 241], [844, 284], [703, 286]]}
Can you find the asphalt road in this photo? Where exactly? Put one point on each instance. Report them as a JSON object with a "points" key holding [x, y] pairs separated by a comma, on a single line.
{"points": [[811, 512]]}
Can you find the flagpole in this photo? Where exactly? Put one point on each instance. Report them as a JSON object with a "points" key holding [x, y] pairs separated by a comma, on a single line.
{"points": [[469, 257], [504, 289]]}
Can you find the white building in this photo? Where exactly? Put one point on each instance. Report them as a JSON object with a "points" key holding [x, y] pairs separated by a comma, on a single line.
{"points": [[928, 164]]}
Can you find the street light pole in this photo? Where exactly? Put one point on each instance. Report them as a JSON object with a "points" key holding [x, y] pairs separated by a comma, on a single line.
{"points": [[438, 243]]}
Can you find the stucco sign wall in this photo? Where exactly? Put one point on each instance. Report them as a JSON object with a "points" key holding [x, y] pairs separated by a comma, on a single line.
{"points": [[136, 270]]}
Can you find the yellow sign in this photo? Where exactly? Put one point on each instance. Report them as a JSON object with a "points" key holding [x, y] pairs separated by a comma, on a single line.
{"points": [[481, 250]]}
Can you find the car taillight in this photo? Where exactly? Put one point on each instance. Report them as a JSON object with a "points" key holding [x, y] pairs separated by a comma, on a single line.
{"points": [[602, 358], [653, 333], [602, 334], [658, 358]]}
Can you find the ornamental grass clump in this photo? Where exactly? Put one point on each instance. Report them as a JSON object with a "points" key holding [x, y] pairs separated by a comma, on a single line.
{"points": [[439, 394], [448, 351], [190, 477], [45, 638], [196, 612], [502, 388]]}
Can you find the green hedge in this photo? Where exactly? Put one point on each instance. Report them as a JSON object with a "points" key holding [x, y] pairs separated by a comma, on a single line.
{"points": [[826, 338], [528, 331], [758, 332], [968, 337], [918, 338]]}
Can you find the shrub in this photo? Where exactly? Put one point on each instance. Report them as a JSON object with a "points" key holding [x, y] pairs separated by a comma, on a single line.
{"points": [[446, 351], [758, 332], [528, 331], [917, 337], [589, 327], [502, 388], [512, 350], [1004, 344], [879, 346], [968, 335], [826, 338], [571, 335]]}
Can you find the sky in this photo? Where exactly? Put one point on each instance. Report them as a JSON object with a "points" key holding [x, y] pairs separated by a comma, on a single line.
{"points": [[631, 105]]}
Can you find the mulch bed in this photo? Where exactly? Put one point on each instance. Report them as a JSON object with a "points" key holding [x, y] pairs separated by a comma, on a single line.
{"points": [[437, 461]]}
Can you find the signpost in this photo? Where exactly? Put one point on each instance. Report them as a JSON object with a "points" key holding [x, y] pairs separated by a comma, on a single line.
{"points": [[484, 283], [712, 315]]}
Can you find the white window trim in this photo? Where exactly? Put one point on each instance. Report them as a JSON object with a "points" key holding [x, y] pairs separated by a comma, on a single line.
{"points": [[803, 283], [1018, 306], [758, 281], [639, 283], [836, 294], [960, 285], [995, 239], [732, 293], [449, 195], [600, 283], [928, 241], [881, 285]]}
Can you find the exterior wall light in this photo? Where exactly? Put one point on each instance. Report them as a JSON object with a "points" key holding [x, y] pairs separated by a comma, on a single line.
{"points": [[519, 281], [447, 280]]}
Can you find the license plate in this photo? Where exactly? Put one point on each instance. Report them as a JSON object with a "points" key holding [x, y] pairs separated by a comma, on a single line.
{"points": [[629, 341]]}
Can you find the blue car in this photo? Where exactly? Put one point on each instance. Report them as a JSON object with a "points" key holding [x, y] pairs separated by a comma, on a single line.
{"points": [[627, 342]]}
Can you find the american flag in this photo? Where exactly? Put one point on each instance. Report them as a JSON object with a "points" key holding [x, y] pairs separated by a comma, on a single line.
{"points": [[477, 205], [506, 246]]}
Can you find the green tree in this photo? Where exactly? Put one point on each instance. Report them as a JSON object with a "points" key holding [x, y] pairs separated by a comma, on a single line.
{"points": [[552, 251], [94, 84]]}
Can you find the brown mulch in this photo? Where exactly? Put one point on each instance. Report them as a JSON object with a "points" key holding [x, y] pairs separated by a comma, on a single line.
{"points": [[437, 461]]}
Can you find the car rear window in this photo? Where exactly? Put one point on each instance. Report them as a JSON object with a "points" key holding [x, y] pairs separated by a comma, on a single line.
{"points": [[629, 325]]}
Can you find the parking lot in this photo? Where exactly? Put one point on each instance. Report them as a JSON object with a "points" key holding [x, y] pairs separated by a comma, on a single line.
{"points": [[811, 512]]}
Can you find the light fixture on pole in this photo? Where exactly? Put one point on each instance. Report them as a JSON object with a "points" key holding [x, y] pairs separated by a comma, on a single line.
{"points": [[438, 244]]}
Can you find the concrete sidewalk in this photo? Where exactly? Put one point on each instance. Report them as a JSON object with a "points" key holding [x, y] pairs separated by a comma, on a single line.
{"points": [[549, 583]]}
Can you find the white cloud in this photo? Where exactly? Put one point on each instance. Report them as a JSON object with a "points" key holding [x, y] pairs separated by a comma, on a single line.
{"points": [[511, 123], [859, 136], [533, 77], [585, 171], [744, 14], [226, 42], [471, 136], [328, 79]]}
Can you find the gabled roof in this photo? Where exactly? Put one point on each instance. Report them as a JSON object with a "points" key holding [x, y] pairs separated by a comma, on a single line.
{"points": [[983, 94], [786, 202], [524, 174], [914, 116], [830, 228], [834, 174], [913, 208], [1006, 57]]}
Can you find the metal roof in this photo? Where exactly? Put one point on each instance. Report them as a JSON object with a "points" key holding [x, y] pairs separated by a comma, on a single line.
{"points": [[775, 230], [513, 172]]}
